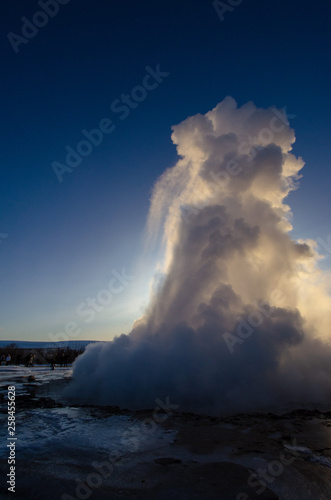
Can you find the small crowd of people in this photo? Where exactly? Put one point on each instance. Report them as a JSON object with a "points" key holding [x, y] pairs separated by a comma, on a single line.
{"points": [[29, 360], [6, 359]]}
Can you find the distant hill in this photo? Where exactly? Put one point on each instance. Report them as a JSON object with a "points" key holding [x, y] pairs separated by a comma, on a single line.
{"points": [[72, 344]]}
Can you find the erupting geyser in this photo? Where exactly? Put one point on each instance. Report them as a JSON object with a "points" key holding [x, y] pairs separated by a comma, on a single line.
{"points": [[241, 319]]}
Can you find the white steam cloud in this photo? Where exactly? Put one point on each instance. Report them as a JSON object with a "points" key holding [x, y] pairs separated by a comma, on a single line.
{"points": [[241, 318]]}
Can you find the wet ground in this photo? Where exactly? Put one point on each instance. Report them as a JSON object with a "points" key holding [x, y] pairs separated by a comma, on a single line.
{"points": [[67, 450]]}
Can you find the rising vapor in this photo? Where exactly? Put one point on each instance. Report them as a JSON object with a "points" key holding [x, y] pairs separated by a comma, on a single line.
{"points": [[240, 320]]}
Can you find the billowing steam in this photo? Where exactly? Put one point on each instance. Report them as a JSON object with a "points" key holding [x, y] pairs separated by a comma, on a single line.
{"points": [[241, 318]]}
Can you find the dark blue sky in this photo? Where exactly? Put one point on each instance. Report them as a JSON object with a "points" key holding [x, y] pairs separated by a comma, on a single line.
{"points": [[65, 238]]}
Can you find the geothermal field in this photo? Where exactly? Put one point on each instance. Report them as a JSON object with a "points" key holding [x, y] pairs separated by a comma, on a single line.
{"points": [[222, 389], [72, 450]]}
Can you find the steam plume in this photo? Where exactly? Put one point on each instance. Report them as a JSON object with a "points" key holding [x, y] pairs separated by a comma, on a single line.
{"points": [[240, 320]]}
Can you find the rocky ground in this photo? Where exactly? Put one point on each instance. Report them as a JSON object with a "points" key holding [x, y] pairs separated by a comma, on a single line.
{"points": [[74, 451]]}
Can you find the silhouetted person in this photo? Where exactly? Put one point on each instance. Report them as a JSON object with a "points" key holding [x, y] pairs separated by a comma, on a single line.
{"points": [[8, 359]]}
